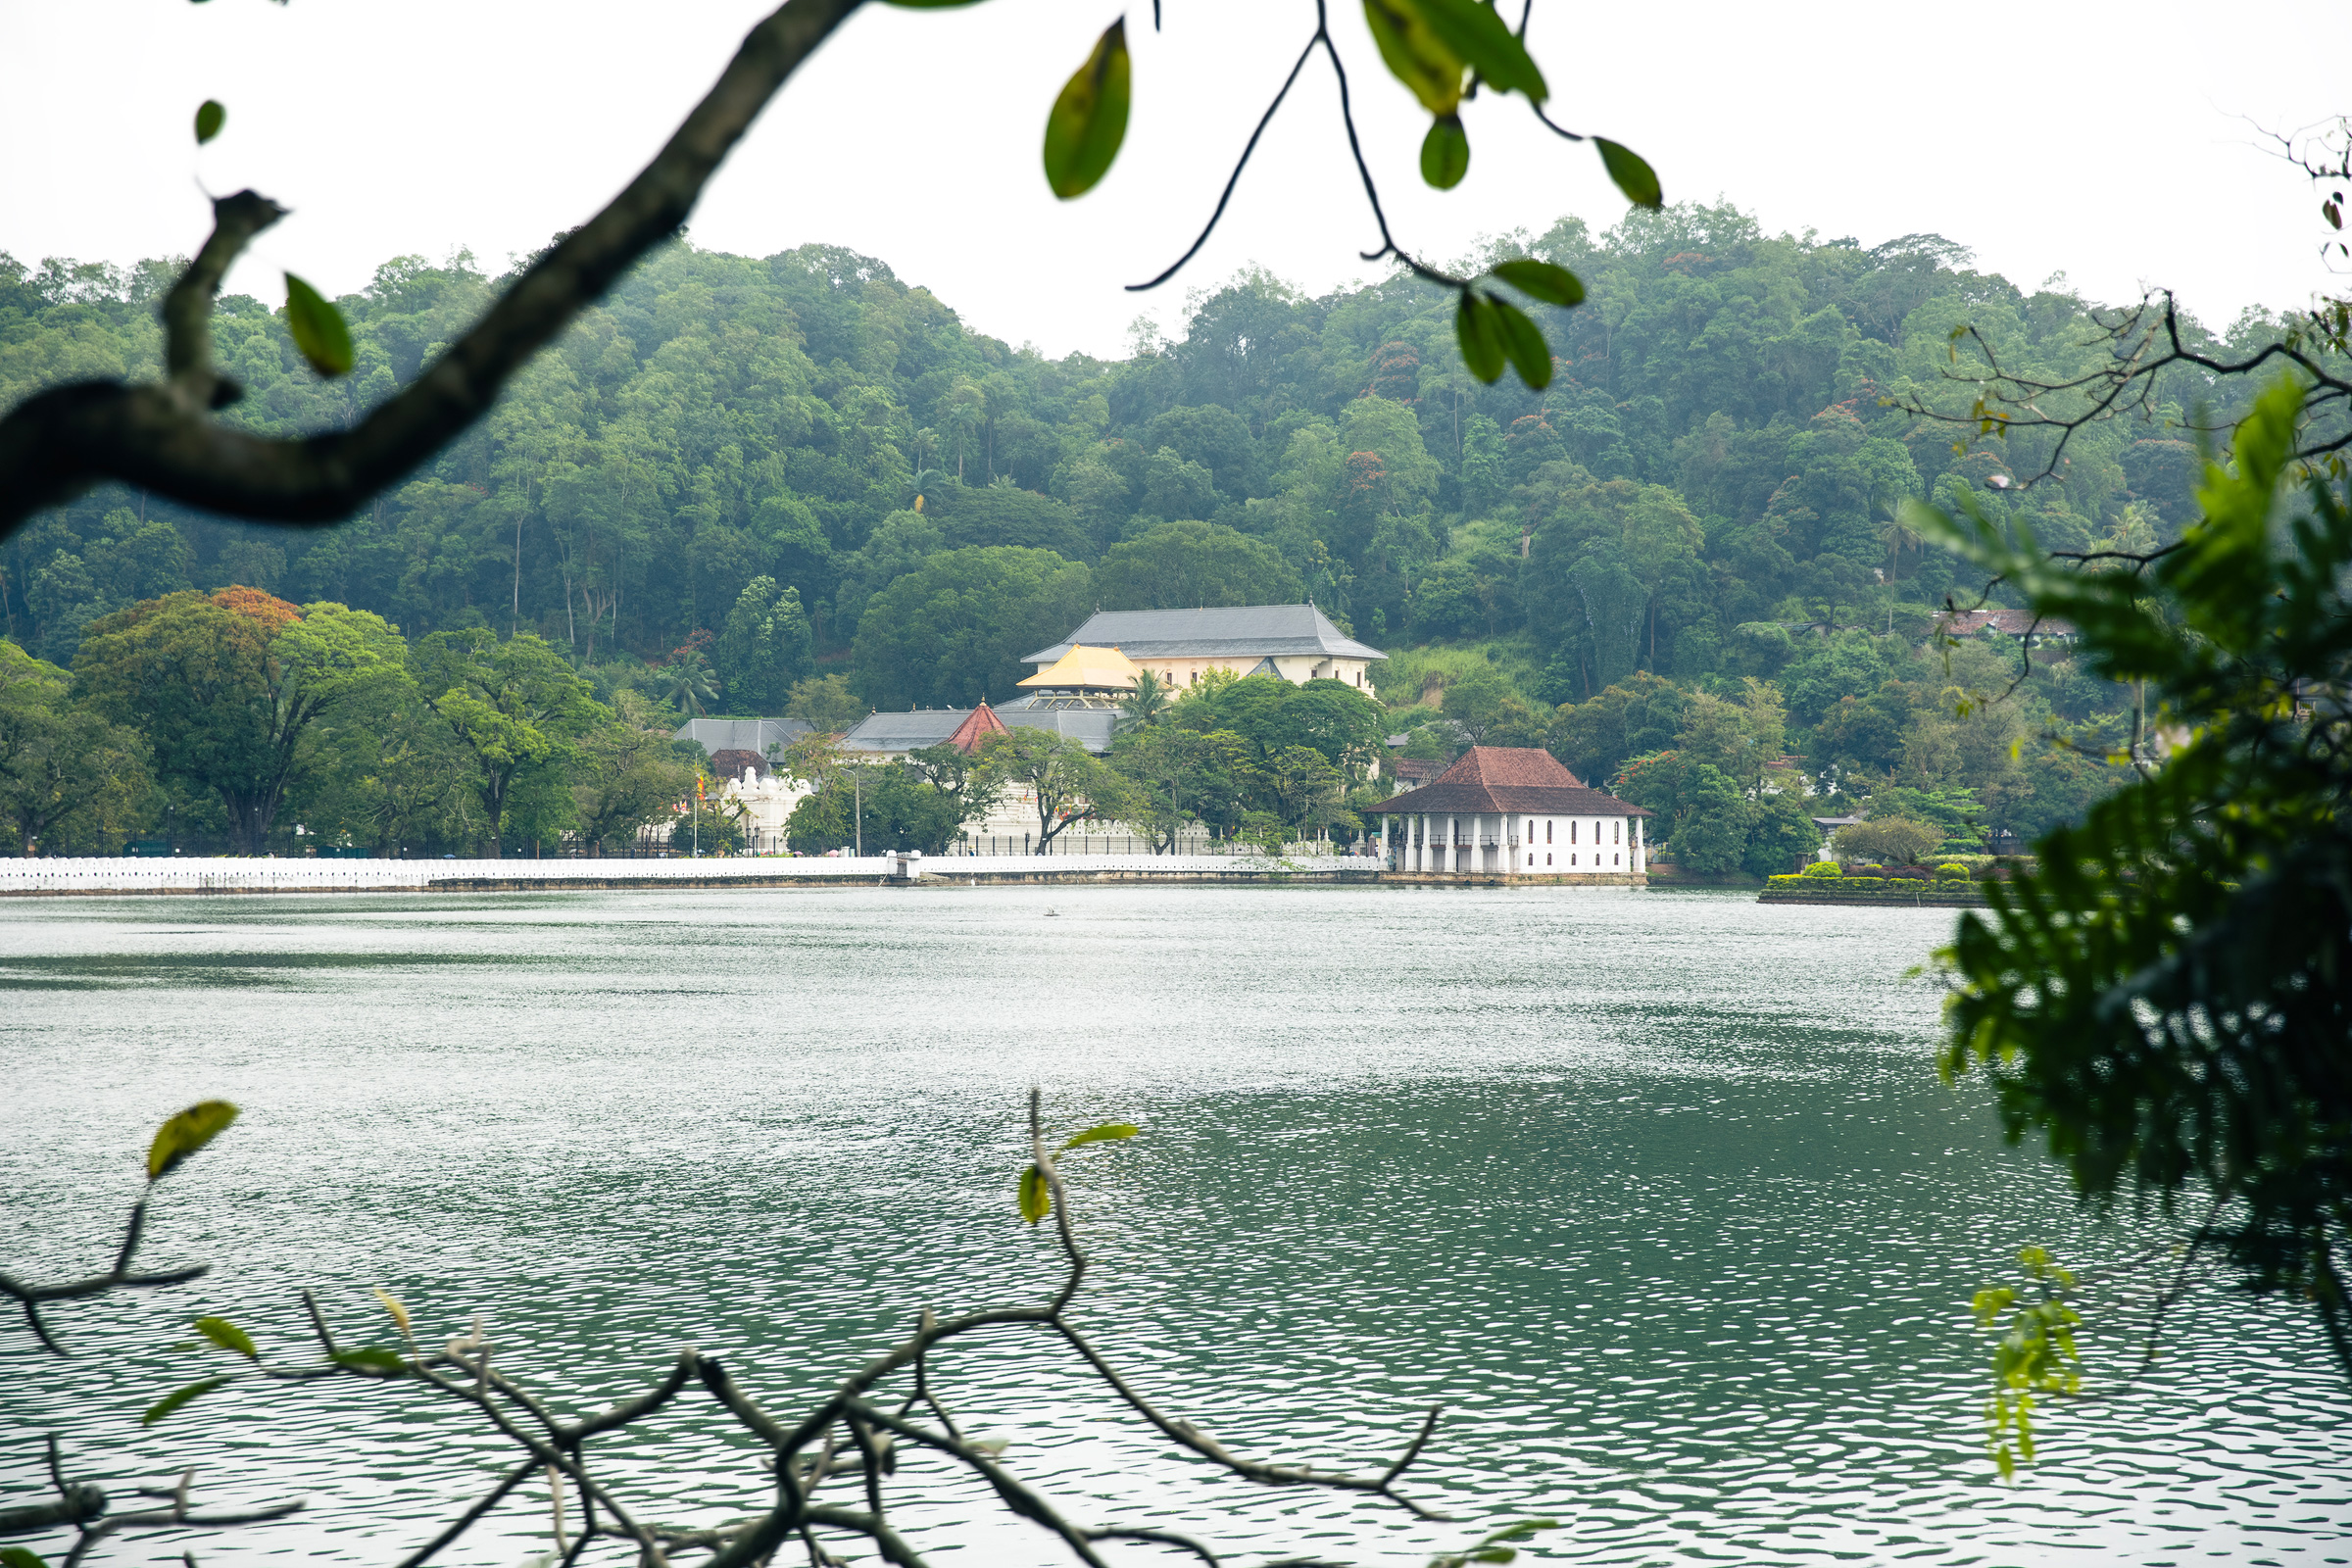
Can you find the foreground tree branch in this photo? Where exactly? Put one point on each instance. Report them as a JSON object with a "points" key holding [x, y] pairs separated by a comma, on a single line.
{"points": [[161, 436], [850, 1439]]}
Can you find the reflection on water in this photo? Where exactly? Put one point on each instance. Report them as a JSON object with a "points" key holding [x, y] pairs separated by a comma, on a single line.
{"points": [[1656, 1192]]}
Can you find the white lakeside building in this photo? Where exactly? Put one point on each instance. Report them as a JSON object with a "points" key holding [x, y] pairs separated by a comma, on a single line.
{"points": [[1508, 810]]}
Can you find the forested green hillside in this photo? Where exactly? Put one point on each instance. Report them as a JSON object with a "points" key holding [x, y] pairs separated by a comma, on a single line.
{"points": [[724, 462]]}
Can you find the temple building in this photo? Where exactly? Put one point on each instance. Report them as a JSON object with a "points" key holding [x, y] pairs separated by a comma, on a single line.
{"points": [[887, 737], [1510, 810], [1083, 677], [1296, 641]]}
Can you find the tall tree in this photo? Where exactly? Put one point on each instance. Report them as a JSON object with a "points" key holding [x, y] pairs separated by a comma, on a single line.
{"points": [[629, 772], [518, 709], [763, 648], [1184, 565], [59, 760], [953, 631], [225, 687], [1061, 781]]}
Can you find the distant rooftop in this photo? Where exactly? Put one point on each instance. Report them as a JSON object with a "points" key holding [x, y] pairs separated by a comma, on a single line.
{"points": [[1239, 631], [754, 735], [1505, 780], [1087, 668], [896, 734]]}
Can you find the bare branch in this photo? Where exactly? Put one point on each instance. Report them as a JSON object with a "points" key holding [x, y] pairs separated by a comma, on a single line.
{"points": [[118, 1278], [803, 1457], [58, 443], [188, 308], [1166, 1538], [467, 1520], [1235, 178], [1273, 1475]]}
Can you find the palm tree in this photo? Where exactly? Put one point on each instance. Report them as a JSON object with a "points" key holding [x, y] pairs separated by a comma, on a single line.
{"points": [[1146, 703], [965, 403], [923, 480], [1897, 536], [689, 683]]}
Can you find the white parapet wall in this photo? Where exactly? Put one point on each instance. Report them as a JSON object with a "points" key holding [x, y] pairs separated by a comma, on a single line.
{"points": [[206, 874]]}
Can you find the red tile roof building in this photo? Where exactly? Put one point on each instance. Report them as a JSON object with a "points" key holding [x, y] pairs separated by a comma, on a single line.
{"points": [[1513, 810], [980, 724]]}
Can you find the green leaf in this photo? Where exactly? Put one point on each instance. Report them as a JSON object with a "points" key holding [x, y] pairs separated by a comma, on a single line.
{"points": [[1037, 1198], [1480, 334], [1415, 54], [19, 1557], [1444, 153], [1485, 42], [1632, 173], [1520, 1531], [317, 328], [1108, 1132], [186, 1133], [227, 1335], [1553, 285], [375, 1358], [1089, 120], [210, 118], [179, 1396], [1523, 342], [1494, 1554]]}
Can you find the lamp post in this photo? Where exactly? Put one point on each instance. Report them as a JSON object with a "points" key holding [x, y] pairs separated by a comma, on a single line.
{"points": [[857, 810]]}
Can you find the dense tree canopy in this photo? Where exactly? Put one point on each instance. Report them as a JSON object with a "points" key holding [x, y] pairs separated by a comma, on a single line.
{"points": [[1713, 453], [801, 484]]}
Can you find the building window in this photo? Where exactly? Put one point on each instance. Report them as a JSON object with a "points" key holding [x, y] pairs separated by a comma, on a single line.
{"points": [[1531, 860], [1548, 834], [1617, 831], [1572, 832], [1548, 860]]}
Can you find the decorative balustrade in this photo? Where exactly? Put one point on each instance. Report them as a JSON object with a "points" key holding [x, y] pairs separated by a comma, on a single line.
{"points": [[222, 874]]}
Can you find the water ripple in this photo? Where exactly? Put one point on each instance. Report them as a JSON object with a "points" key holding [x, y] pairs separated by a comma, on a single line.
{"points": [[1657, 1192]]}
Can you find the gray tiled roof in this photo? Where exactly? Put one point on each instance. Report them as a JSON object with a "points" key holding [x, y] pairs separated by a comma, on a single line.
{"points": [[904, 732], [1244, 631], [1090, 727], [754, 735], [895, 734]]}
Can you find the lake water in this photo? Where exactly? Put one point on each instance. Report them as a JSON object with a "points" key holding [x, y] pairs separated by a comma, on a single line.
{"points": [[1657, 1191]]}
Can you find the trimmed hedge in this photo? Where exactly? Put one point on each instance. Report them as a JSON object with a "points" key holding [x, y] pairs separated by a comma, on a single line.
{"points": [[1801, 889]]}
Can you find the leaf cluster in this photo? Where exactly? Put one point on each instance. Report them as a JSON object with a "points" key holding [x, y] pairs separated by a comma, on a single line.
{"points": [[2164, 996]]}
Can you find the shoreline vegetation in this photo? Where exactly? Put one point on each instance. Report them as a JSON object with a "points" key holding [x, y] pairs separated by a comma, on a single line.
{"points": [[1952, 892], [797, 486]]}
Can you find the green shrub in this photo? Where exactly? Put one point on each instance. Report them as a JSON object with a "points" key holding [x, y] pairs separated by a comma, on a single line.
{"points": [[1823, 869], [1951, 872]]}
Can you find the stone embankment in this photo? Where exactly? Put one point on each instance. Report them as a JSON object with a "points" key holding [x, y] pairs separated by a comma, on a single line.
{"points": [[194, 874]]}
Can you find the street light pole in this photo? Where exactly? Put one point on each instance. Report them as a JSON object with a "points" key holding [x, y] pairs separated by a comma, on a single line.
{"points": [[857, 812]]}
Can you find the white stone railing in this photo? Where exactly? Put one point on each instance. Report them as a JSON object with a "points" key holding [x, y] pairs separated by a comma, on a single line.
{"points": [[224, 874]]}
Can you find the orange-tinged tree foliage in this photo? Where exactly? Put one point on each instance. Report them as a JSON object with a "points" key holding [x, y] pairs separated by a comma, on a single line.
{"points": [[254, 604]]}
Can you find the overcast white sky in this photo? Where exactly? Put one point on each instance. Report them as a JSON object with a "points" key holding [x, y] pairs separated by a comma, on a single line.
{"points": [[2108, 141]]}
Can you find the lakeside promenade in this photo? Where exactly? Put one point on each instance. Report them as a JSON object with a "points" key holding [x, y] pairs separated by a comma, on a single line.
{"points": [[198, 874]]}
